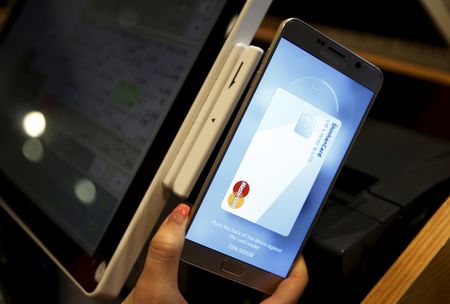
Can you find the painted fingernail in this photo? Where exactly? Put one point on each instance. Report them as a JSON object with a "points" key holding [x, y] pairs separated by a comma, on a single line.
{"points": [[180, 213]]}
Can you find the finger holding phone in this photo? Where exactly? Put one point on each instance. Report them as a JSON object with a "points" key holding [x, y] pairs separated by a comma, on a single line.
{"points": [[158, 282], [273, 173], [280, 159]]}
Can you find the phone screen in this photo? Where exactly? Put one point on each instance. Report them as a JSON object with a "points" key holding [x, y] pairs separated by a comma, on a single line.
{"points": [[281, 161]]}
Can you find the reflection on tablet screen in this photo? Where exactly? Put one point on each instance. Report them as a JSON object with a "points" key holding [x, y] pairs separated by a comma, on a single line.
{"points": [[86, 93]]}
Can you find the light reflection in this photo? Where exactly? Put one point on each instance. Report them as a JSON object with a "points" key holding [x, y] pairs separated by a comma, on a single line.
{"points": [[85, 191], [34, 124], [231, 25], [33, 150]]}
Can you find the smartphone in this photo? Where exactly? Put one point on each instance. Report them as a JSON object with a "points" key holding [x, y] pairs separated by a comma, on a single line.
{"points": [[278, 163]]}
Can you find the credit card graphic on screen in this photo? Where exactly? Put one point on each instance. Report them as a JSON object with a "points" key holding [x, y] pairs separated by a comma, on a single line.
{"points": [[290, 145]]}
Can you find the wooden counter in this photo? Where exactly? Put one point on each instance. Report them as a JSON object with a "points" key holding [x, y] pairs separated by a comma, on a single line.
{"points": [[421, 274], [5, 11]]}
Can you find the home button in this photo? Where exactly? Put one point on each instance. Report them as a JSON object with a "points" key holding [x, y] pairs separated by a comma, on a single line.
{"points": [[232, 267]]}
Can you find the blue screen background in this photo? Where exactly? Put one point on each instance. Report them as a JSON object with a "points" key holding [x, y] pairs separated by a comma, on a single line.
{"points": [[304, 75]]}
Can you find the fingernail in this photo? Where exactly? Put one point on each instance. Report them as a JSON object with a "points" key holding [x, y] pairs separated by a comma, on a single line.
{"points": [[180, 213]]}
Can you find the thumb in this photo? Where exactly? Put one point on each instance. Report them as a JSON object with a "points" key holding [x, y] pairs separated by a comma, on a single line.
{"points": [[165, 248]]}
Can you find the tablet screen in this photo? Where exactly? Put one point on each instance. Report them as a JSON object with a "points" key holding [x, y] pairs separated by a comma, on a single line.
{"points": [[91, 95]]}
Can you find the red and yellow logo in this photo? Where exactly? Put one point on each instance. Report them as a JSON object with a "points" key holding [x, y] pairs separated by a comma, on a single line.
{"points": [[240, 190]]}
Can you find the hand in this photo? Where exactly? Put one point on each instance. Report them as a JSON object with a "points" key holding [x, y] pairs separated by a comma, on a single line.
{"points": [[291, 288], [158, 282]]}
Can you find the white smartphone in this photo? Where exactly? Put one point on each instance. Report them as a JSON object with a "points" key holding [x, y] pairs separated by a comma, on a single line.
{"points": [[281, 157]]}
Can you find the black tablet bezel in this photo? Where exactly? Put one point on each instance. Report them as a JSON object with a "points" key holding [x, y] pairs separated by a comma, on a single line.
{"points": [[70, 255]]}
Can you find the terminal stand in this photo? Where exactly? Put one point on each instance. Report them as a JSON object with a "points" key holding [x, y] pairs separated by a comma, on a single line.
{"points": [[212, 119]]}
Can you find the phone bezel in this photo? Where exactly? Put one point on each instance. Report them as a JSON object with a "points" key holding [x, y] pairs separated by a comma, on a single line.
{"points": [[312, 41]]}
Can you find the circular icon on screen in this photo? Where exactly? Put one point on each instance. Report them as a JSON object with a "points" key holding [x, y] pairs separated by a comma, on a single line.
{"points": [[316, 91], [240, 191]]}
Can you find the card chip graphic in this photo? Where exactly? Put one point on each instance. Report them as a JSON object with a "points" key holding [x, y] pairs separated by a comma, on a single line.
{"points": [[305, 125], [282, 163]]}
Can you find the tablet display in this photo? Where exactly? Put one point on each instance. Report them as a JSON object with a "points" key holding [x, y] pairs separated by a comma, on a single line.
{"points": [[92, 94]]}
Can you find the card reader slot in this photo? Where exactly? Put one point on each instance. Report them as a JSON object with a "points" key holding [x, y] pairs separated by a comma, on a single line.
{"points": [[212, 120], [194, 131]]}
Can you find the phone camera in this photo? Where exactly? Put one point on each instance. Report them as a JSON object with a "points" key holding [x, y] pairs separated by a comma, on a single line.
{"points": [[357, 64]]}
